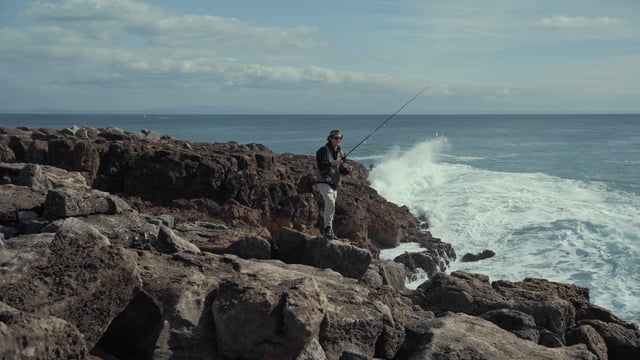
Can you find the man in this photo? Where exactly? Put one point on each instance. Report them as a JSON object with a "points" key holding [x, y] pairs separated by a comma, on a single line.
{"points": [[331, 165]]}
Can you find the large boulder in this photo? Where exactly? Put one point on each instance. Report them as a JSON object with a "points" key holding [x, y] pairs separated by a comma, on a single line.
{"points": [[354, 319], [27, 336], [68, 202], [622, 341], [83, 280], [517, 306], [14, 199], [256, 320], [198, 305], [460, 336], [474, 295], [298, 248]]}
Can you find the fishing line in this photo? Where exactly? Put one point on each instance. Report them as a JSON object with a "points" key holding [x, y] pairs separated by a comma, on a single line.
{"points": [[387, 120]]}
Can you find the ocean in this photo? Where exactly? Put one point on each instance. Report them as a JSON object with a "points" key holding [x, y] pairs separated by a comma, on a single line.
{"points": [[554, 196]]}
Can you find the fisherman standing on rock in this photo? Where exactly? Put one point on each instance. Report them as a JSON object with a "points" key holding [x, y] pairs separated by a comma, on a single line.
{"points": [[331, 165]]}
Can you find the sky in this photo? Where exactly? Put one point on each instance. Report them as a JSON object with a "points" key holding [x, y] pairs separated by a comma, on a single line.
{"points": [[320, 57]]}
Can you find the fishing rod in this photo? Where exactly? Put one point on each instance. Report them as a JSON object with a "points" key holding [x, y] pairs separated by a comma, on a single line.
{"points": [[387, 120]]}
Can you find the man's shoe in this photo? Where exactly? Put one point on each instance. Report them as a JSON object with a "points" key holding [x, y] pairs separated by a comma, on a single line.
{"points": [[328, 233]]}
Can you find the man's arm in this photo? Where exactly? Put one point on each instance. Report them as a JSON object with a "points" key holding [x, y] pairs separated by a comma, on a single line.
{"points": [[322, 159]]}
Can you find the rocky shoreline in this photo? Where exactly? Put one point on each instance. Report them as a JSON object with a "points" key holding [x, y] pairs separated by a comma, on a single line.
{"points": [[116, 245]]}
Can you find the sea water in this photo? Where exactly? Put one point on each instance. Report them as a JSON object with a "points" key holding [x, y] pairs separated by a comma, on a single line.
{"points": [[539, 225], [554, 196]]}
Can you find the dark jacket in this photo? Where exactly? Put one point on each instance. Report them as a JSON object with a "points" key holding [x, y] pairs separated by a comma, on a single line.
{"points": [[326, 173]]}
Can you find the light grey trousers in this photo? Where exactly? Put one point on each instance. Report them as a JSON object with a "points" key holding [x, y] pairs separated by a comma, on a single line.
{"points": [[329, 195]]}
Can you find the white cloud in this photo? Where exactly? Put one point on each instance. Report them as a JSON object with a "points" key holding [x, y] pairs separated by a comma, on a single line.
{"points": [[567, 22], [131, 41], [163, 27], [469, 52]]}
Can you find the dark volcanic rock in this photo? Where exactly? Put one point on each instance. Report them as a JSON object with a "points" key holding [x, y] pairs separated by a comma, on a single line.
{"points": [[151, 248], [460, 336], [14, 199], [25, 336], [297, 248], [82, 279], [278, 321], [475, 257], [552, 306], [235, 177], [421, 260]]}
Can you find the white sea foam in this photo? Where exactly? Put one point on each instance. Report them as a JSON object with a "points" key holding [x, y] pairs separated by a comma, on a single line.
{"points": [[366, 158], [540, 226], [460, 158], [392, 253]]}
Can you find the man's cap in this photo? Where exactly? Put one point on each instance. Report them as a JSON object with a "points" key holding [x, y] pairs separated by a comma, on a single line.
{"points": [[334, 132]]}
